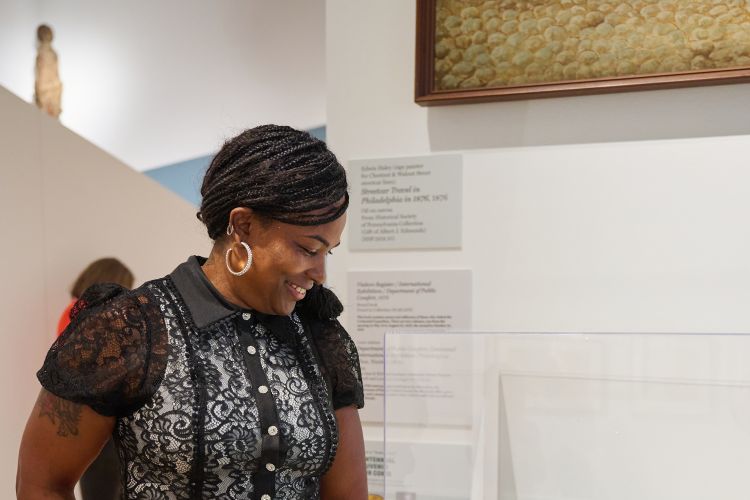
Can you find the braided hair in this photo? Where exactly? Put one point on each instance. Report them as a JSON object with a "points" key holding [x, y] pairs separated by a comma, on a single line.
{"points": [[280, 173]]}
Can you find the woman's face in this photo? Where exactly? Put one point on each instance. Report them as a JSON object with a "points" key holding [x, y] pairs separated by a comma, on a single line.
{"points": [[287, 261]]}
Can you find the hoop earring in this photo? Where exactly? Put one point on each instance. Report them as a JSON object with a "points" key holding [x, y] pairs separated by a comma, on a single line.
{"points": [[230, 229], [247, 264]]}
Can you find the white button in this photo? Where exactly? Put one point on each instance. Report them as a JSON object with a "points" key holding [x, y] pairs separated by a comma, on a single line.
{"points": [[270, 467], [262, 389], [272, 431], [265, 497], [246, 316], [251, 349]]}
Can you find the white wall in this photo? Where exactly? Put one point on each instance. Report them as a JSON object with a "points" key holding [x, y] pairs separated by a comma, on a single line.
{"points": [[591, 205], [65, 203], [24, 325], [621, 212], [18, 22], [154, 83]]}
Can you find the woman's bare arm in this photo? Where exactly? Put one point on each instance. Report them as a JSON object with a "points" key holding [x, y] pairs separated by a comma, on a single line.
{"points": [[347, 478], [61, 439]]}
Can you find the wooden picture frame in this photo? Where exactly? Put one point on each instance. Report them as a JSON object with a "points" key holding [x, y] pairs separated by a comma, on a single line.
{"points": [[431, 90]]}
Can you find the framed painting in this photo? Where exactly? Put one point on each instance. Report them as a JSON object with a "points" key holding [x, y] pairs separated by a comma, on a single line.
{"points": [[486, 50]]}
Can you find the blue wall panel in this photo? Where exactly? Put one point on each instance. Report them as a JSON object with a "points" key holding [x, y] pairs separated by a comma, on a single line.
{"points": [[184, 178]]}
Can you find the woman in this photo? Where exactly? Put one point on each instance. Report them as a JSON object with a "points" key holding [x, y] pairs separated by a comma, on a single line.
{"points": [[230, 377]]}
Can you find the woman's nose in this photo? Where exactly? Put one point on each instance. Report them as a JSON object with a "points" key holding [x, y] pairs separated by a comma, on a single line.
{"points": [[317, 273]]}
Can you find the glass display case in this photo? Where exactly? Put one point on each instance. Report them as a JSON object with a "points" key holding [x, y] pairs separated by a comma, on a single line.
{"points": [[566, 416]]}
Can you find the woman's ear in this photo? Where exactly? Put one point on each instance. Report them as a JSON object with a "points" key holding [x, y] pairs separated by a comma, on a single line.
{"points": [[242, 220]]}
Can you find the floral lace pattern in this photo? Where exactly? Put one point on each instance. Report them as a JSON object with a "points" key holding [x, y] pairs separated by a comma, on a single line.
{"points": [[188, 418], [113, 353], [302, 421], [155, 442], [339, 362]]}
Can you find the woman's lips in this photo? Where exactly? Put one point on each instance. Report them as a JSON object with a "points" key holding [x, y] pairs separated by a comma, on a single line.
{"points": [[297, 291]]}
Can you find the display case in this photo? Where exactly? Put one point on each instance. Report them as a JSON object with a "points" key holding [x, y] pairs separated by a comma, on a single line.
{"points": [[567, 416]]}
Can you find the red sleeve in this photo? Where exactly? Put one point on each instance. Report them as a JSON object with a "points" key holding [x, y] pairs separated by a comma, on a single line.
{"points": [[65, 318]]}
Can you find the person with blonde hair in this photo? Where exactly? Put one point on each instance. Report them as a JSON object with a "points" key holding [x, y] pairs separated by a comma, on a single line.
{"points": [[101, 481], [106, 270]]}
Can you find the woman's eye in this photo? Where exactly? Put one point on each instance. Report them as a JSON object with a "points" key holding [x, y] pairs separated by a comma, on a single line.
{"points": [[313, 253]]}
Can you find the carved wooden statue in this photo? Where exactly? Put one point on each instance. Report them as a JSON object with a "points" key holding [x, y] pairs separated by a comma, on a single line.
{"points": [[48, 88]]}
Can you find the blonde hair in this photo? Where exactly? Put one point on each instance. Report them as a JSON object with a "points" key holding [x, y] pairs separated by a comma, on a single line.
{"points": [[106, 270]]}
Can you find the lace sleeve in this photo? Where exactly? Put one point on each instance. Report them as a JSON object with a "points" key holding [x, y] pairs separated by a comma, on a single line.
{"points": [[340, 362], [112, 355]]}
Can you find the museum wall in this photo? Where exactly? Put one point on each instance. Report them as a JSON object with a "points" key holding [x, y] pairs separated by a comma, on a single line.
{"points": [[610, 213], [18, 22], [619, 212], [209, 68], [66, 203]]}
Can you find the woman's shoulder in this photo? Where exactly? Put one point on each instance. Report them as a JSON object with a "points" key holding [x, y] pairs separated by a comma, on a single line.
{"points": [[112, 353], [103, 298], [336, 349]]}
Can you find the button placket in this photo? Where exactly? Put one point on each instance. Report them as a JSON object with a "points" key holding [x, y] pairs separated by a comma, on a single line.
{"points": [[270, 456]]}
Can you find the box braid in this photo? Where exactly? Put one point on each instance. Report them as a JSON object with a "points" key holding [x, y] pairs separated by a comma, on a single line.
{"points": [[279, 172], [282, 174]]}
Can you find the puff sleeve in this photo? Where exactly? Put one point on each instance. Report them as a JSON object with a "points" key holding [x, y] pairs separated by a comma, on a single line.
{"points": [[113, 354], [340, 363]]}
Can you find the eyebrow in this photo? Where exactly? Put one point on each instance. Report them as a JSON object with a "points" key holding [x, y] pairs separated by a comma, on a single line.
{"points": [[321, 239]]}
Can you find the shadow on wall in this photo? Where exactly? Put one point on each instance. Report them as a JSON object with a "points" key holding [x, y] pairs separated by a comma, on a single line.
{"points": [[630, 116], [184, 178]]}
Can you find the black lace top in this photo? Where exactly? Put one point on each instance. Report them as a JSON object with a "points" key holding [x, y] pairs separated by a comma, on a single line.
{"points": [[212, 401]]}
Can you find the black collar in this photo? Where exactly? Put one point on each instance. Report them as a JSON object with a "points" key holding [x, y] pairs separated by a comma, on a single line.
{"points": [[207, 305], [204, 301]]}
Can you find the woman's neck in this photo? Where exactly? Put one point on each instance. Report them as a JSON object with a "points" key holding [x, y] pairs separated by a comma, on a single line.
{"points": [[215, 270]]}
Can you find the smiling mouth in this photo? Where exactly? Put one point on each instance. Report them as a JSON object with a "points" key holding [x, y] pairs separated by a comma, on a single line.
{"points": [[298, 292]]}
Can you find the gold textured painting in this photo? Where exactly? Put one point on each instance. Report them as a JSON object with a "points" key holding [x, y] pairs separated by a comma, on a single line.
{"points": [[480, 49]]}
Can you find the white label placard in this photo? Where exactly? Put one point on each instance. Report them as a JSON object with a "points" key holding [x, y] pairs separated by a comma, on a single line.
{"points": [[375, 465], [405, 203], [428, 471], [410, 470], [409, 301]]}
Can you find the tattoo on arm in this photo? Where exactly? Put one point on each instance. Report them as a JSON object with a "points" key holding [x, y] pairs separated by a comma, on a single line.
{"points": [[64, 414]]}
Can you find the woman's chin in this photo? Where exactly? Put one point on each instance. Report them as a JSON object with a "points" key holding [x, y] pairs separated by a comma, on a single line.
{"points": [[284, 309]]}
